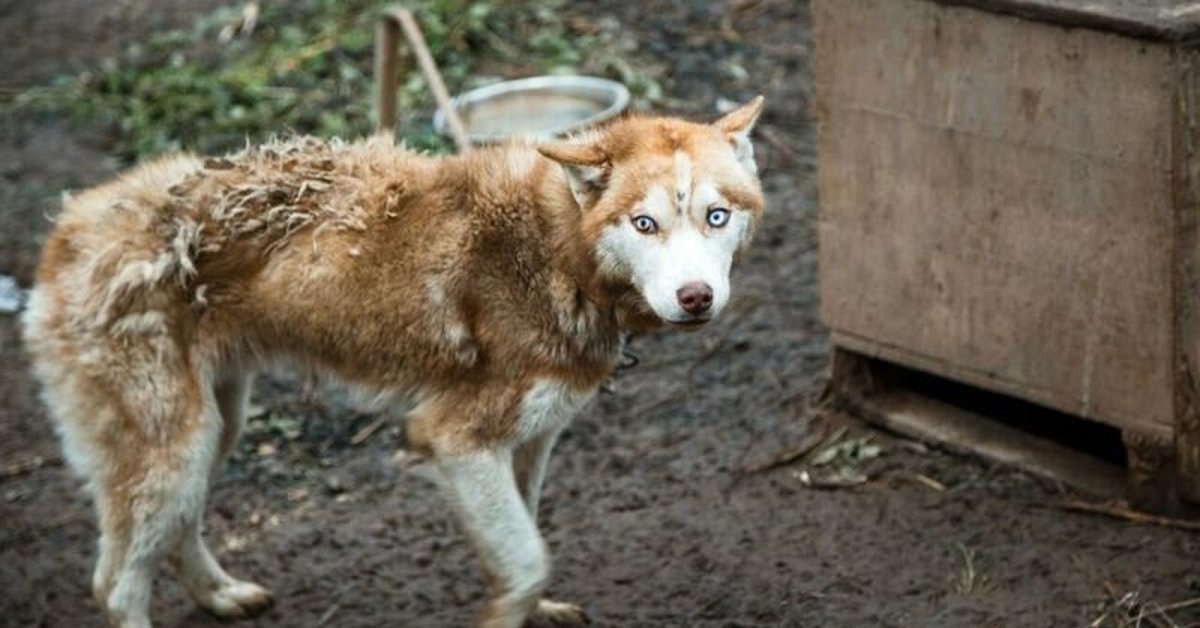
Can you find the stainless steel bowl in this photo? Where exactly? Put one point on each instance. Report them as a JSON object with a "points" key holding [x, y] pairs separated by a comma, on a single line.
{"points": [[540, 107]]}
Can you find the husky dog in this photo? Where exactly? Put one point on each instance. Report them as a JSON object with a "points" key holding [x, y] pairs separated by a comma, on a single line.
{"points": [[491, 289]]}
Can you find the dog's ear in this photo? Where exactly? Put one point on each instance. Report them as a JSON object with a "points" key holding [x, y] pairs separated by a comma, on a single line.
{"points": [[587, 167], [737, 125]]}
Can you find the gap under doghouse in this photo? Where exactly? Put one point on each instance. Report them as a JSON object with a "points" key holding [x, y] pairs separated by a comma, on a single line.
{"points": [[1083, 454]]}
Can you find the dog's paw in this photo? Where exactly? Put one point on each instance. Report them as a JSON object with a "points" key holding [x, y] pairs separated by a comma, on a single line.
{"points": [[237, 600], [551, 614]]}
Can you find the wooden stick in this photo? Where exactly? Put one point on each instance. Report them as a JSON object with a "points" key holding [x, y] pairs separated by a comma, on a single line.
{"points": [[790, 454], [1178, 605], [788, 153], [923, 480], [328, 614], [28, 466], [1121, 511], [365, 434], [385, 72]]}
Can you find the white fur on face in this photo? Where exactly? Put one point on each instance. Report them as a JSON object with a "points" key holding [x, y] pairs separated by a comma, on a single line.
{"points": [[685, 249]]}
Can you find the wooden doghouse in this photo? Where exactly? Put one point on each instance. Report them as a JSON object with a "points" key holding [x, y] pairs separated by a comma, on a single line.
{"points": [[1009, 198]]}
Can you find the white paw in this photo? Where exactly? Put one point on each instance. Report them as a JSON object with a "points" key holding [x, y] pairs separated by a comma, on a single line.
{"points": [[551, 614], [236, 600]]}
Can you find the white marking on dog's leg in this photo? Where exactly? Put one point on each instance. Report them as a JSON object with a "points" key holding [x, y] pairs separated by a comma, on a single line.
{"points": [[160, 502], [491, 509], [113, 541], [212, 588], [128, 605], [557, 614], [158, 512]]}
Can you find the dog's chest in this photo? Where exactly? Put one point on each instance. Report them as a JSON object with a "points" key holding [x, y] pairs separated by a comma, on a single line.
{"points": [[548, 406]]}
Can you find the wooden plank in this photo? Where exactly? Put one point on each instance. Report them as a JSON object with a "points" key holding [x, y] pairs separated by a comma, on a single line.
{"points": [[950, 427], [1186, 281], [995, 196], [1171, 20], [986, 381]]}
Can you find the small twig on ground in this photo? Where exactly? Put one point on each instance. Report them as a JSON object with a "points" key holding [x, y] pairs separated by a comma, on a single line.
{"points": [[976, 480], [790, 454], [915, 446], [1180, 605], [969, 578], [922, 479], [365, 434], [833, 481], [646, 408], [1130, 610], [327, 615], [28, 466], [1107, 610], [1119, 510]]}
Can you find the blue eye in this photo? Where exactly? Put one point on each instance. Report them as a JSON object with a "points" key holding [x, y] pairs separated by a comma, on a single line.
{"points": [[718, 217], [645, 224]]}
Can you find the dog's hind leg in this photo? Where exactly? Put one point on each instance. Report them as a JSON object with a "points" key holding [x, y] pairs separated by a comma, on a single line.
{"points": [[162, 436], [529, 467], [484, 491], [232, 391], [210, 586]]}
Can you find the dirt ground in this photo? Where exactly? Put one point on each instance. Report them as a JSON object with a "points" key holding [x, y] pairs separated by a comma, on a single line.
{"points": [[651, 509]]}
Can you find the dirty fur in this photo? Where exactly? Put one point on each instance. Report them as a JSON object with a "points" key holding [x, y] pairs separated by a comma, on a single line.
{"points": [[490, 288]]}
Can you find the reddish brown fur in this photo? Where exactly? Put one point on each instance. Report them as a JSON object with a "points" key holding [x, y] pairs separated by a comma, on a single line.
{"points": [[463, 281]]}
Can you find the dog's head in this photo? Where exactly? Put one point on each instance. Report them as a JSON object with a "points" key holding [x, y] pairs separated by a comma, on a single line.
{"points": [[667, 204]]}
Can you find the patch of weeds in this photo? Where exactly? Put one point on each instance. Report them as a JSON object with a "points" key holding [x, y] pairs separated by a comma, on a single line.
{"points": [[306, 67], [842, 462], [970, 578], [848, 452]]}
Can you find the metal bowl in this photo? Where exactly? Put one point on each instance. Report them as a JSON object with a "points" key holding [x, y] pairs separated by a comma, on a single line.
{"points": [[540, 107]]}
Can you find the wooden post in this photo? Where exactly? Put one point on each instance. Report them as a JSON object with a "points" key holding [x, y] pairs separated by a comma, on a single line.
{"points": [[392, 23], [1185, 169], [387, 74]]}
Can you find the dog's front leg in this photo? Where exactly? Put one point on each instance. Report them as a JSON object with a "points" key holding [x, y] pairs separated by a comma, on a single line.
{"points": [[484, 491], [529, 467]]}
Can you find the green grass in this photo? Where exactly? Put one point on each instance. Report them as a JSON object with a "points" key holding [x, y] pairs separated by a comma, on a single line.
{"points": [[306, 68]]}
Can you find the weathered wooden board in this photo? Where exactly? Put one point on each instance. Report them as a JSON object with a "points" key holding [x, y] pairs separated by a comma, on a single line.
{"points": [[1186, 173], [1171, 20], [997, 197]]}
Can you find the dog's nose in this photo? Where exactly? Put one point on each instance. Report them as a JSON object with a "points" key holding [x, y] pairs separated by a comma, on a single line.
{"points": [[695, 297]]}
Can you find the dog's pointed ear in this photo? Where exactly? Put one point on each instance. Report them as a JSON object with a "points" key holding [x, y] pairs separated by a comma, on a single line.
{"points": [[737, 125], [586, 165]]}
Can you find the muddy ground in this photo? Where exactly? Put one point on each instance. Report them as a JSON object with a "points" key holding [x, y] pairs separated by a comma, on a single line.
{"points": [[649, 508]]}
